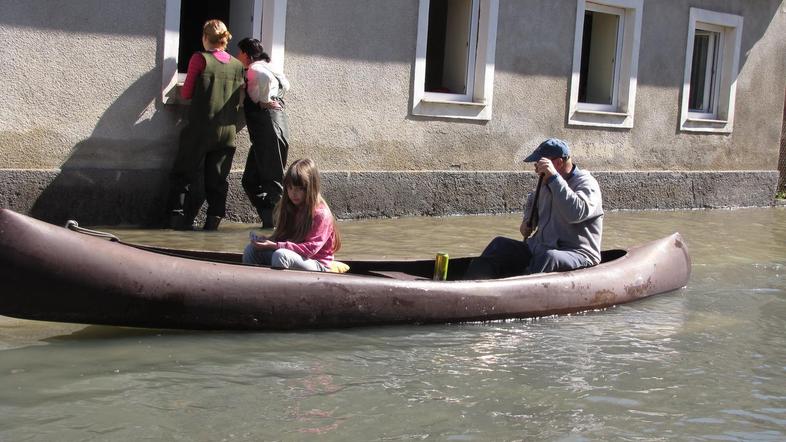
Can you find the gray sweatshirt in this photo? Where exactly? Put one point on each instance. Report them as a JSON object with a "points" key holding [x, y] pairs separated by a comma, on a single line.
{"points": [[570, 216]]}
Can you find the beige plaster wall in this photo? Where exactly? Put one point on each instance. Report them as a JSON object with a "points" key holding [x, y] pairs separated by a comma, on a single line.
{"points": [[351, 66], [83, 134], [82, 81]]}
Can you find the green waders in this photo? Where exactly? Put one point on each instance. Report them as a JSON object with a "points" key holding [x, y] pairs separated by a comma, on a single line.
{"points": [[207, 144]]}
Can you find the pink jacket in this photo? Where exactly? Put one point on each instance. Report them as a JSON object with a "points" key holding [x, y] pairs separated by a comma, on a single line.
{"points": [[319, 243]]}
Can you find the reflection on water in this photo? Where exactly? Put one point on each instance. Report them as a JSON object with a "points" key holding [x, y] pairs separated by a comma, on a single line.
{"points": [[706, 362]]}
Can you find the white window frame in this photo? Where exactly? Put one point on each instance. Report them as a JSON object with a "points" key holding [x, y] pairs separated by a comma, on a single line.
{"points": [[476, 103], [268, 25], [471, 62], [729, 29], [620, 113], [620, 13]]}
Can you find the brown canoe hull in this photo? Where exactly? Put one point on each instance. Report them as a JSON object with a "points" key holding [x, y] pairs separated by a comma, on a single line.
{"points": [[50, 273]]}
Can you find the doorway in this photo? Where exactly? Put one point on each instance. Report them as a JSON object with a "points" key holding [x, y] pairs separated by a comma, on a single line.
{"points": [[238, 15]]}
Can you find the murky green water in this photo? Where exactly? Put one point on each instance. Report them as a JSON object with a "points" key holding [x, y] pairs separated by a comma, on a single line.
{"points": [[705, 363]]}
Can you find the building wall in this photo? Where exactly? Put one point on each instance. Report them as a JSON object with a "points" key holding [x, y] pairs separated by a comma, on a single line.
{"points": [[350, 64], [82, 82], [83, 132]]}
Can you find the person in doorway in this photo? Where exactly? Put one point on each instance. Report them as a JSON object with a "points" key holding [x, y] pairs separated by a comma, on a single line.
{"points": [[306, 236], [214, 84], [562, 225], [268, 128]]}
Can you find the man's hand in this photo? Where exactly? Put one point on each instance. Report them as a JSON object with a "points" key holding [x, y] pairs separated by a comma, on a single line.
{"points": [[525, 230], [545, 167]]}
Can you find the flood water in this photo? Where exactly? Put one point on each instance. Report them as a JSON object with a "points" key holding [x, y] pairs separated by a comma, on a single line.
{"points": [[704, 363]]}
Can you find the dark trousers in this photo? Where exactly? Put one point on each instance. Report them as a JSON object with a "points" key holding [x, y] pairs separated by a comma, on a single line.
{"points": [[263, 176], [200, 173], [505, 257]]}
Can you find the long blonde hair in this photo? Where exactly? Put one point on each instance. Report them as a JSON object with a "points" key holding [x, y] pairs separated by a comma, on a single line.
{"points": [[289, 227], [216, 32]]}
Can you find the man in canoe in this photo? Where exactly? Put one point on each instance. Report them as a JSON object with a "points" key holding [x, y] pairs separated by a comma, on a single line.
{"points": [[562, 225]]}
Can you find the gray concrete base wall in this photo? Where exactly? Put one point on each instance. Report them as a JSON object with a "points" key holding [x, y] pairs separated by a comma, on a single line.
{"points": [[137, 197]]}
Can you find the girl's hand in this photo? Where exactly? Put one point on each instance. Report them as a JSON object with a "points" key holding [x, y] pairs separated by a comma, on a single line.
{"points": [[254, 237], [264, 245], [261, 242]]}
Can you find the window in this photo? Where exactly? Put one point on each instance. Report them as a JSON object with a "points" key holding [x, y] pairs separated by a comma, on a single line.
{"points": [[704, 73], [600, 53], [244, 18], [452, 25], [605, 63], [711, 64], [454, 64]]}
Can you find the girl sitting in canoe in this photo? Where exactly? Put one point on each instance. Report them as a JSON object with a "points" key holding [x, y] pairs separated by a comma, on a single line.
{"points": [[306, 237]]}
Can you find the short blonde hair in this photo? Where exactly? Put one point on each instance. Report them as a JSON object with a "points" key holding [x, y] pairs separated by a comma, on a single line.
{"points": [[216, 33]]}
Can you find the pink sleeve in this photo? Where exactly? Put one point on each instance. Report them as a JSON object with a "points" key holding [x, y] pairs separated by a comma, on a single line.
{"points": [[320, 233], [196, 65]]}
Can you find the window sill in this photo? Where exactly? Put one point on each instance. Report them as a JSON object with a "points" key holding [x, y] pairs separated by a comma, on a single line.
{"points": [[598, 118], [705, 120], [453, 102], [463, 110], [706, 125], [603, 113], [172, 96]]}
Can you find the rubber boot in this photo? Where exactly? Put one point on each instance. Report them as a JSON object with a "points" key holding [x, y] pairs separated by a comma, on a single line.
{"points": [[212, 222], [267, 218]]}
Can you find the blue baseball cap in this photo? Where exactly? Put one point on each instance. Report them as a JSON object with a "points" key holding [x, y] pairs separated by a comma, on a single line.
{"points": [[551, 148]]}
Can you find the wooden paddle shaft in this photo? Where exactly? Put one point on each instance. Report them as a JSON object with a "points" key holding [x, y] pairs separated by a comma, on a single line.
{"points": [[533, 215]]}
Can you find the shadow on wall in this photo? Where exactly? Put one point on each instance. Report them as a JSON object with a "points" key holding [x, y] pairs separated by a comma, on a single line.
{"points": [[119, 174]]}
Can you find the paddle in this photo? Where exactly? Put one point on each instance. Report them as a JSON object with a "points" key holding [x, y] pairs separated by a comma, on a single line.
{"points": [[532, 222]]}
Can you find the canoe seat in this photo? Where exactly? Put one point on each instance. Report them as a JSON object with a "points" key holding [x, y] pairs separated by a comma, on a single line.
{"points": [[395, 275]]}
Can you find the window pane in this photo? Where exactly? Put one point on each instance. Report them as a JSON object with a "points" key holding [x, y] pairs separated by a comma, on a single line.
{"points": [[598, 57], [447, 53], [702, 75]]}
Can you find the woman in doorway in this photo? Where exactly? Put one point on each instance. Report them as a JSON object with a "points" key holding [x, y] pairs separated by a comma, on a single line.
{"points": [[214, 84], [267, 127]]}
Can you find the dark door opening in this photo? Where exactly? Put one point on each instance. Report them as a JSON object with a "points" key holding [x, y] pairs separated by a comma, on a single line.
{"points": [[193, 15]]}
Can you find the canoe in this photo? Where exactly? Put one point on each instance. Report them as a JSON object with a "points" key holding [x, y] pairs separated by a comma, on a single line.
{"points": [[51, 273]]}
